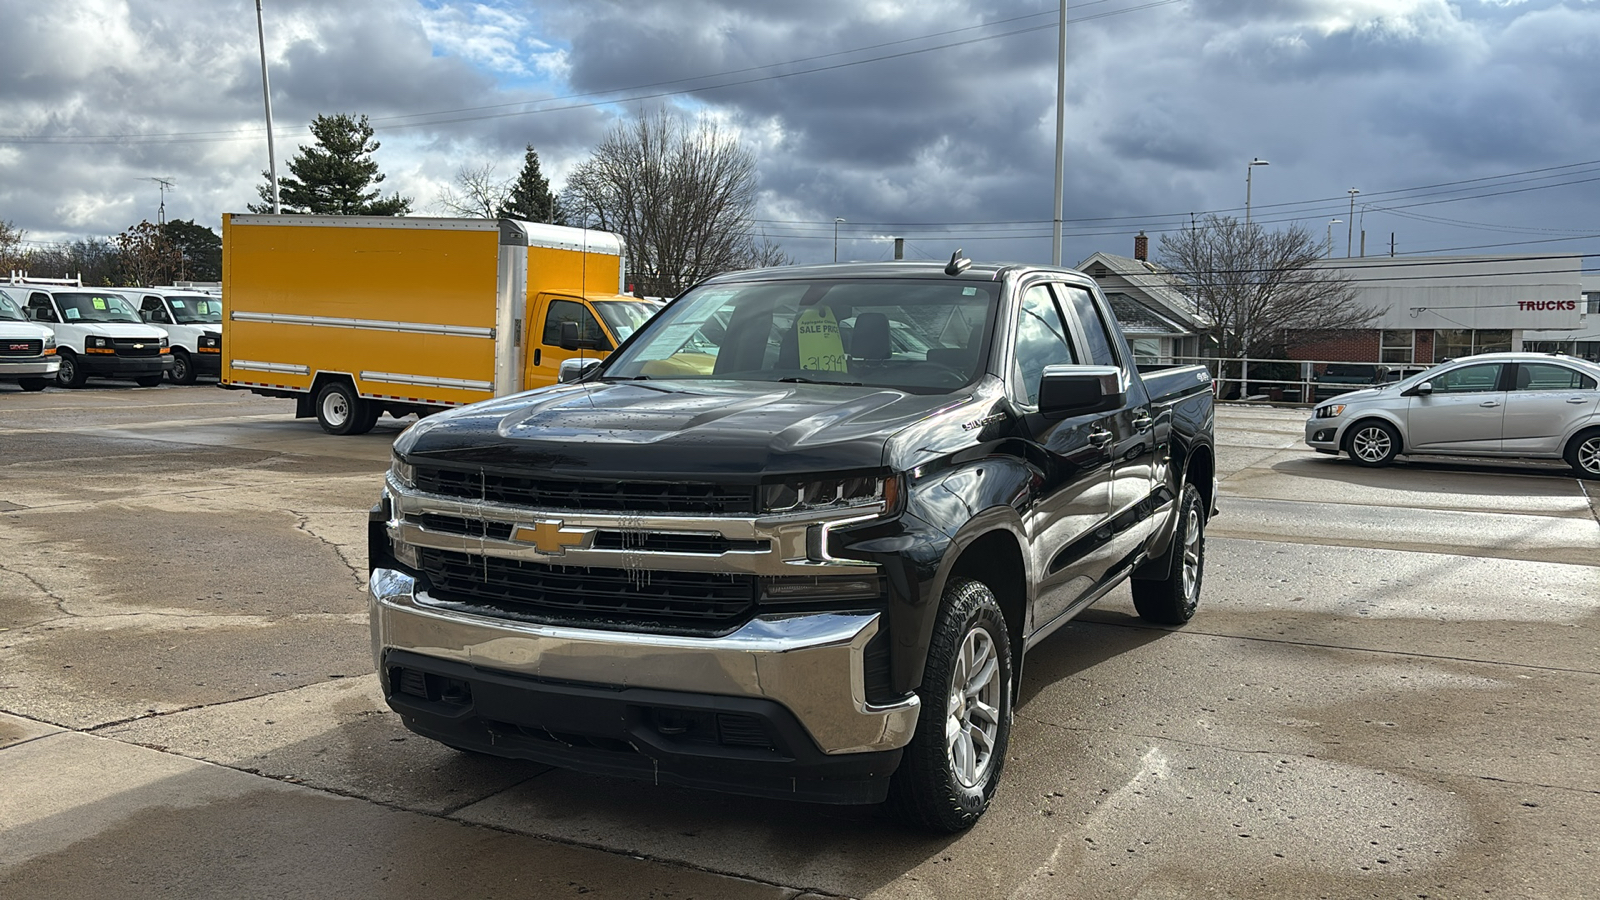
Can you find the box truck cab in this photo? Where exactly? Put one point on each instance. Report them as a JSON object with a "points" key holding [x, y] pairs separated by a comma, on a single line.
{"points": [[27, 351], [193, 323], [98, 334], [355, 316]]}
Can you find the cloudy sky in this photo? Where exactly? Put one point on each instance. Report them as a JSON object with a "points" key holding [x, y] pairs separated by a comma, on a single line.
{"points": [[1467, 126]]}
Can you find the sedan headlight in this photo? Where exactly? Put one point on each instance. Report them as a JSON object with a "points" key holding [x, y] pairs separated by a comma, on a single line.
{"points": [[1330, 412], [830, 493], [404, 473]]}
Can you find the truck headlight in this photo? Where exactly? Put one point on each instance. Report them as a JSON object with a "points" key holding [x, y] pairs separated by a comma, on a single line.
{"points": [[830, 493], [96, 342], [49, 342], [209, 341], [404, 473]]}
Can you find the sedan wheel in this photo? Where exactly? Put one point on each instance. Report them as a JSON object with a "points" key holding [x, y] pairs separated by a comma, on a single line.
{"points": [[1374, 443], [1583, 454]]}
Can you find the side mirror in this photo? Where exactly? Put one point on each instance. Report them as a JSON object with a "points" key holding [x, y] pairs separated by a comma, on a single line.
{"points": [[571, 341], [575, 369], [1423, 389], [1079, 390]]}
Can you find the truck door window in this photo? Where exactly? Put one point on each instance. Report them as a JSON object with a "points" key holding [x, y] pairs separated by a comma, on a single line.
{"points": [[39, 308], [568, 311], [154, 311], [1098, 345], [1041, 341]]}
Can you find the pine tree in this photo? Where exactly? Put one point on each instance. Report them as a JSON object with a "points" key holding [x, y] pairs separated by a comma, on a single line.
{"points": [[333, 177], [531, 197]]}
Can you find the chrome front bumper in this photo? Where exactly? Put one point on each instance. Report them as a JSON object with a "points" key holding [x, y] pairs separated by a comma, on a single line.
{"points": [[812, 664], [28, 367]]}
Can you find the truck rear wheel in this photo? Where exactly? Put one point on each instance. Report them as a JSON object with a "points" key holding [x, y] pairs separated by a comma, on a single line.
{"points": [[952, 766], [1172, 600], [340, 410]]}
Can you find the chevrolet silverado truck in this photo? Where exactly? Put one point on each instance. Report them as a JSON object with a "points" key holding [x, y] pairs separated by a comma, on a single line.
{"points": [[793, 537]]}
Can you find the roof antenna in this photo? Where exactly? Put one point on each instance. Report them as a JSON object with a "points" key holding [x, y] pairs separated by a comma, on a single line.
{"points": [[958, 263]]}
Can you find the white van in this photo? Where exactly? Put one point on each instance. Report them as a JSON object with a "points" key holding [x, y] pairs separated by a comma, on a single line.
{"points": [[27, 351], [193, 323], [97, 333]]}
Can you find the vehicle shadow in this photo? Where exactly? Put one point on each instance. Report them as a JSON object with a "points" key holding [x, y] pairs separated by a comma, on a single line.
{"points": [[1096, 635], [1439, 468]]}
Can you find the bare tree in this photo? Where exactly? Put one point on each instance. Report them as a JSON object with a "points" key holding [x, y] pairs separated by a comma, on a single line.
{"points": [[148, 258], [682, 197], [1255, 286], [481, 196]]}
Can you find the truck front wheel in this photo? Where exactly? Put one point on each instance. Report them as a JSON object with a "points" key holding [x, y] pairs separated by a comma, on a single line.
{"points": [[1172, 600], [952, 766], [71, 374], [340, 410], [182, 371]]}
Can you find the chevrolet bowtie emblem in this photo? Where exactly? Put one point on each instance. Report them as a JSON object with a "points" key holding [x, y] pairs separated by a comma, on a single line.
{"points": [[551, 538]]}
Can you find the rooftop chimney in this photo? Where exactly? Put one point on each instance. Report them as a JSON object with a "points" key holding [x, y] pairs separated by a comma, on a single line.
{"points": [[1141, 247]]}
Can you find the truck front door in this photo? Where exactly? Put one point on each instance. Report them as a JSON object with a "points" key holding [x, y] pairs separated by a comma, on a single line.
{"points": [[1072, 462], [544, 355]]}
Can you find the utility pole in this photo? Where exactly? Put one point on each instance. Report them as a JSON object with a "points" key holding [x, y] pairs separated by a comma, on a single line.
{"points": [[1249, 169], [266, 96], [1350, 229], [1061, 133]]}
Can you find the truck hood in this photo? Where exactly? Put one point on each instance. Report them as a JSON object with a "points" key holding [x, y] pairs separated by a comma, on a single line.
{"points": [[667, 429]]}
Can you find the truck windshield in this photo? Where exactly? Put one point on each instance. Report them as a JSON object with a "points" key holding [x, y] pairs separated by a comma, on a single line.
{"points": [[196, 309], [624, 317], [9, 309], [917, 335], [96, 307]]}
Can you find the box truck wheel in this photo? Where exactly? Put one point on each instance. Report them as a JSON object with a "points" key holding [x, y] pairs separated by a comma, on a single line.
{"points": [[341, 411]]}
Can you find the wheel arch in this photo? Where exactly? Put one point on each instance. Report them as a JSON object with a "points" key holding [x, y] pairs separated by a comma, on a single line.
{"points": [[1374, 416]]}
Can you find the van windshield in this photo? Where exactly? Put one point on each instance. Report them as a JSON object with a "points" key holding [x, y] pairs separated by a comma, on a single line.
{"points": [[624, 317], [196, 309], [918, 335], [96, 307], [9, 309]]}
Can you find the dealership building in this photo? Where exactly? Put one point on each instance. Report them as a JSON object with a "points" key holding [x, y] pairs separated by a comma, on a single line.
{"points": [[1427, 308]]}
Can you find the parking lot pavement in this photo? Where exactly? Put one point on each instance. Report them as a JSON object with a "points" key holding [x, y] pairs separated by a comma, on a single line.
{"points": [[1390, 690]]}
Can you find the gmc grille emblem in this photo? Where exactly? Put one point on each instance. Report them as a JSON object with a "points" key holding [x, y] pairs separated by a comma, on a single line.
{"points": [[20, 347]]}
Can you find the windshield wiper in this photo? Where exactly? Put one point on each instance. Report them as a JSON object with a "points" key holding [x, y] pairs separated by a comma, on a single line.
{"points": [[800, 379]]}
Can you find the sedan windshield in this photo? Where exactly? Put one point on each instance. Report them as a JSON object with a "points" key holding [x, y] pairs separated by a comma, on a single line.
{"points": [[196, 309], [624, 317], [918, 335], [9, 309], [96, 307]]}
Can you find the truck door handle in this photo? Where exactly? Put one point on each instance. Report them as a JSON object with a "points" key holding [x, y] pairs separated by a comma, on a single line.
{"points": [[537, 352], [1099, 437], [1143, 423]]}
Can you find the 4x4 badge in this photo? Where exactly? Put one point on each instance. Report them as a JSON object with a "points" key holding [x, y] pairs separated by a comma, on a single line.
{"points": [[551, 539]]}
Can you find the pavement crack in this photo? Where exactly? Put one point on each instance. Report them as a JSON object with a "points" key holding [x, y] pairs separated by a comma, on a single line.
{"points": [[59, 602], [303, 524]]}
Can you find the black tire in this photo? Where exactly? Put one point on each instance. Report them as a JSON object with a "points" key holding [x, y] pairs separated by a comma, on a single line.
{"points": [[946, 776], [1373, 443], [71, 374], [341, 411], [1172, 600], [148, 380], [182, 371], [33, 384], [1583, 453]]}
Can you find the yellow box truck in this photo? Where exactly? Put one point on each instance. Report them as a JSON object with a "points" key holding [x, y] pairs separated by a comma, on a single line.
{"points": [[355, 316]]}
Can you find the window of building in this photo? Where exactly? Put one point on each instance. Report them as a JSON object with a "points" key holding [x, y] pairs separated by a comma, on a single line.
{"points": [[1399, 345], [1591, 302], [1147, 350], [1454, 343]]}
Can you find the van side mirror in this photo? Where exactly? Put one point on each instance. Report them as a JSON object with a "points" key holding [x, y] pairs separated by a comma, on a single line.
{"points": [[1079, 390], [575, 369], [571, 341]]}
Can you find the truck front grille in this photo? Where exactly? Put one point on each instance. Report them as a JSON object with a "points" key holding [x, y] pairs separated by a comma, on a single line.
{"points": [[136, 347], [15, 347], [592, 597], [638, 497]]}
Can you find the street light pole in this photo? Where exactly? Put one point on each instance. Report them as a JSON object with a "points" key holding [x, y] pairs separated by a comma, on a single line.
{"points": [[836, 221], [1350, 231], [1328, 250], [1248, 170], [266, 95], [1061, 134]]}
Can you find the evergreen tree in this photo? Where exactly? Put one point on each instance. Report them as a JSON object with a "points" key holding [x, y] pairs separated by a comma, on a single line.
{"points": [[333, 177], [530, 197], [199, 249]]}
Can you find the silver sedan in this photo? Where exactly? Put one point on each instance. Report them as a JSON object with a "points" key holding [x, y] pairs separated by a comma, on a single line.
{"points": [[1519, 405]]}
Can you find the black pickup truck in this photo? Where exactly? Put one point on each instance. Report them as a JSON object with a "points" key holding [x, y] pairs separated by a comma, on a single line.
{"points": [[793, 537]]}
